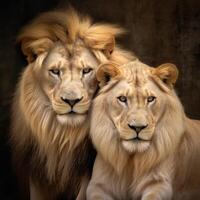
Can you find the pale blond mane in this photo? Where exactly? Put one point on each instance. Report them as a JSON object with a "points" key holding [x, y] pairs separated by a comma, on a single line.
{"points": [[169, 167], [167, 137]]}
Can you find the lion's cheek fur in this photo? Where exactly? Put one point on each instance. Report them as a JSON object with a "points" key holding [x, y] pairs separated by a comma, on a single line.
{"points": [[106, 139]]}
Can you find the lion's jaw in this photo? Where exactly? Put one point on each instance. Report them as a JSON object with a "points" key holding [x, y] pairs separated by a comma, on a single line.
{"points": [[67, 86]]}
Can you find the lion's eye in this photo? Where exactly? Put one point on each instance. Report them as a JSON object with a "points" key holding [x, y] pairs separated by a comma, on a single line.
{"points": [[122, 99], [150, 99], [55, 72], [87, 70]]}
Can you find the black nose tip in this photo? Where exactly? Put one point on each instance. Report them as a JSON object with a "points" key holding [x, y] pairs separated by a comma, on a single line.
{"points": [[71, 102], [137, 129]]}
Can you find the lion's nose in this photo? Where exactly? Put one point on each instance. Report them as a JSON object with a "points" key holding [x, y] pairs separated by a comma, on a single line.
{"points": [[71, 102], [137, 129]]}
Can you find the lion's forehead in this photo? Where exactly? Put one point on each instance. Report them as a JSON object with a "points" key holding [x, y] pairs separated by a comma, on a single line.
{"points": [[135, 87], [55, 59], [138, 77], [60, 57], [87, 59], [137, 73]]}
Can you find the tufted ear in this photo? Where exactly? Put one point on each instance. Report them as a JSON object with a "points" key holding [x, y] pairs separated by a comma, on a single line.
{"points": [[40, 35], [31, 47], [168, 73], [107, 71], [102, 37]]}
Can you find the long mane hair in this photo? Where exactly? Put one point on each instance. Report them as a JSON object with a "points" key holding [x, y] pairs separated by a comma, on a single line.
{"points": [[48, 147]]}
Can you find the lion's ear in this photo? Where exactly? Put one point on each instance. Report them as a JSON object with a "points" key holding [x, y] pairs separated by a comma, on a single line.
{"points": [[168, 73], [102, 37], [107, 71], [32, 48]]}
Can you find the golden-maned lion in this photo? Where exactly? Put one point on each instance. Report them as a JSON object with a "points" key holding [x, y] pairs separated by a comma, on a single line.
{"points": [[50, 110], [147, 148]]}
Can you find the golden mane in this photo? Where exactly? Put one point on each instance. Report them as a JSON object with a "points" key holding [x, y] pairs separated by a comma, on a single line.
{"points": [[35, 126], [55, 151], [68, 26]]}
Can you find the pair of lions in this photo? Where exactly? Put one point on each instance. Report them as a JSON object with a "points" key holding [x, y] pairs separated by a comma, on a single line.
{"points": [[147, 148], [138, 126], [52, 153]]}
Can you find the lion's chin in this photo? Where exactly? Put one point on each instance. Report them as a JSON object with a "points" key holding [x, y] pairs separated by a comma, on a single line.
{"points": [[71, 119], [135, 146]]}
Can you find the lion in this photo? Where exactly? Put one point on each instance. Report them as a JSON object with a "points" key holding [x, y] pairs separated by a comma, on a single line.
{"points": [[146, 146], [52, 152]]}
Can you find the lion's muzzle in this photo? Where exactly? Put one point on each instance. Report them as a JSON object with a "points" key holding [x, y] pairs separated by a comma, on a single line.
{"points": [[71, 102]]}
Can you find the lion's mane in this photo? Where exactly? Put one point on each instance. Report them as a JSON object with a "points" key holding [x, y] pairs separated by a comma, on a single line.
{"points": [[45, 149], [116, 155], [175, 142]]}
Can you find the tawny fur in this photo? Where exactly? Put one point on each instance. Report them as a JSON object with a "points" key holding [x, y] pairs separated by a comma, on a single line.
{"points": [[165, 165], [50, 151]]}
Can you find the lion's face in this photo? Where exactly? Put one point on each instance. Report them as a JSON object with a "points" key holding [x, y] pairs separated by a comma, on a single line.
{"points": [[133, 111], [135, 103], [69, 82]]}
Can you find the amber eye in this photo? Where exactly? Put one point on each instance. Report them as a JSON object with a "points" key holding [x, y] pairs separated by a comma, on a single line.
{"points": [[150, 99], [122, 99], [55, 72], [87, 70]]}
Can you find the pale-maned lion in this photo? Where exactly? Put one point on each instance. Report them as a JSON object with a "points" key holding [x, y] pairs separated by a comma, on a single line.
{"points": [[147, 148], [50, 110]]}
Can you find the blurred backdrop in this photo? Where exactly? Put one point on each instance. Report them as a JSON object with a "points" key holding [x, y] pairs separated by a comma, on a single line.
{"points": [[158, 31]]}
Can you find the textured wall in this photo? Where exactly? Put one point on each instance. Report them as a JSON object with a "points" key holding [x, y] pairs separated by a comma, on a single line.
{"points": [[158, 31]]}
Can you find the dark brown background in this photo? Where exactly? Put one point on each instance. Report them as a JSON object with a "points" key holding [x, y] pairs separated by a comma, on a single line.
{"points": [[159, 31]]}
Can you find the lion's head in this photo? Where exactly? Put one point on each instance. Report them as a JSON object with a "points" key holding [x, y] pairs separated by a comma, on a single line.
{"points": [[63, 50], [68, 82], [136, 111]]}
